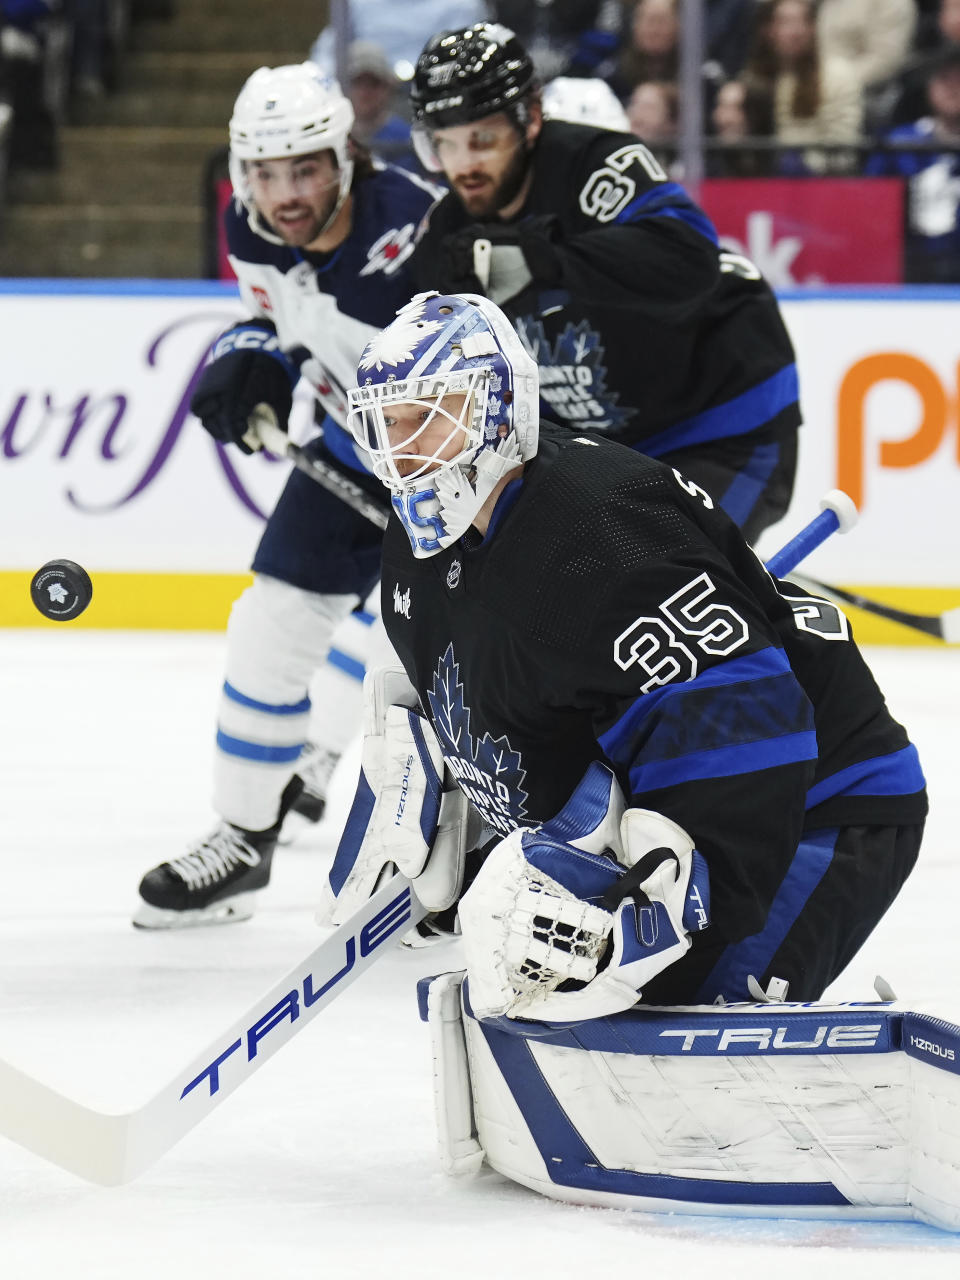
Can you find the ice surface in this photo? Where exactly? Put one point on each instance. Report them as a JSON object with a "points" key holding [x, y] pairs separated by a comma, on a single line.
{"points": [[324, 1162]]}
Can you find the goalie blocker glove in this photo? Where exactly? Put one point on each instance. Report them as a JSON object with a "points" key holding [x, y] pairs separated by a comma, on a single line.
{"points": [[600, 898], [407, 813], [247, 368]]}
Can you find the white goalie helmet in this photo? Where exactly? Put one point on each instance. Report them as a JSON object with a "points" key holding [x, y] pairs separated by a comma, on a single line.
{"points": [[470, 393], [288, 111]]}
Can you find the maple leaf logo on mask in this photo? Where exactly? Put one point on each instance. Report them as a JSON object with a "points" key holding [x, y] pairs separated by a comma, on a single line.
{"points": [[398, 343]]}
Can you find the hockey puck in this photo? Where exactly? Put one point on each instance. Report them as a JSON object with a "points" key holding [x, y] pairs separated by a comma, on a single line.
{"points": [[61, 590]]}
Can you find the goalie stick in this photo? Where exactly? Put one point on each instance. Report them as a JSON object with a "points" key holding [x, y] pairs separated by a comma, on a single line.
{"points": [[944, 626], [112, 1148]]}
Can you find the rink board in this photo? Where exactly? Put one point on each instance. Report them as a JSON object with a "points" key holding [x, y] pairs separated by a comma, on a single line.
{"points": [[101, 461]]}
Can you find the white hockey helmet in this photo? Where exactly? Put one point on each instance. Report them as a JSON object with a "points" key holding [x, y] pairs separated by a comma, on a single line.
{"points": [[446, 345], [584, 102], [288, 111]]}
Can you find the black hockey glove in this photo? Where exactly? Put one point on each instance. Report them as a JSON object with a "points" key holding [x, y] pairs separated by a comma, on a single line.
{"points": [[247, 368], [520, 254]]}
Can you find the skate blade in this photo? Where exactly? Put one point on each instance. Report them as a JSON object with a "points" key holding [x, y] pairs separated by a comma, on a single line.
{"points": [[229, 911]]}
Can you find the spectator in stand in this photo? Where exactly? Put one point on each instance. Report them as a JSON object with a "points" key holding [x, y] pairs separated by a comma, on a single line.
{"points": [[24, 28], [871, 36], [816, 99], [729, 28], [399, 29], [937, 32], [743, 110], [651, 50], [88, 19], [932, 248], [371, 88], [652, 111], [564, 37]]}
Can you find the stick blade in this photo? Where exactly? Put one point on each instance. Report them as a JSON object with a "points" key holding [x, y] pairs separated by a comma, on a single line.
{"points": [[67, 1133]]}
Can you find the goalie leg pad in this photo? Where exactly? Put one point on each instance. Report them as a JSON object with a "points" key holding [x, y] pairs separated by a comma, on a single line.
{"points": [[829, 1111]]}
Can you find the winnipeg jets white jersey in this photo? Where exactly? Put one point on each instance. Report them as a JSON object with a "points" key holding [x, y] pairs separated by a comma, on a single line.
{"points": [[326, 307]]}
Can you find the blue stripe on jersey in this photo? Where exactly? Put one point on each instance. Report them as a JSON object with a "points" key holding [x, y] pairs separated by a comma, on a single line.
{"points": [[269, 708], [569, 1161], [725, 762], [752, 956], [745, 412], [744, 493], [668, 200], [244, 750], [897, 774], [706, 728]]}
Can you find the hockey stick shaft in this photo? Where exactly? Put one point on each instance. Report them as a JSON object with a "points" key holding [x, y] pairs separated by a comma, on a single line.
{"points": [[263, 429], [837, 513], [112, 1148], [943, 626]]}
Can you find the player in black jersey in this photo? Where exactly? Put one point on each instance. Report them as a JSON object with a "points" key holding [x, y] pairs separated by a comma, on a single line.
{"points": [[644, 329], [576, 618]]}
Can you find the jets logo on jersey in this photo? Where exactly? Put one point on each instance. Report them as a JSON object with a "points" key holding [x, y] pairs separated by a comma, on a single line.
{"points": [[488, 771], [390, 251], [573, 377], [262, 297]]}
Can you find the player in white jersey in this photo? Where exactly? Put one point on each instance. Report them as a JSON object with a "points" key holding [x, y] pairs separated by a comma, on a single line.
{"points": [[319, 235]]}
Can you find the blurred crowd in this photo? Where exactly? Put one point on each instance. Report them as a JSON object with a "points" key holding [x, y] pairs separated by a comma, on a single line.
{"points": [[791, 88], [55, 51]]}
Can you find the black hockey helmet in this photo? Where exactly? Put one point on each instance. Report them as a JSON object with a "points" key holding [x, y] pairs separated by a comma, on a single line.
{"points": [[466, 74]]}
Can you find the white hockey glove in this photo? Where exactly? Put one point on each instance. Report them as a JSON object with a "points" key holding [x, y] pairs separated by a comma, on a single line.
{"points": [[405, 813], [551, 908]]}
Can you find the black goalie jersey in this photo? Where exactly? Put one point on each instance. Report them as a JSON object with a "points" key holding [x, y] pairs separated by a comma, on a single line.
{"points": [[643, 328], [611, 613]]}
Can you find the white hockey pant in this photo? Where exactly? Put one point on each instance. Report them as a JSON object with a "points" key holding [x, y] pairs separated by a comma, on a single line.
{"points": [[748, 1110], [277, 639]]}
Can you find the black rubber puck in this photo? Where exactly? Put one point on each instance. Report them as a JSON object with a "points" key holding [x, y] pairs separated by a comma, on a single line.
{"points": [[61, 590]]}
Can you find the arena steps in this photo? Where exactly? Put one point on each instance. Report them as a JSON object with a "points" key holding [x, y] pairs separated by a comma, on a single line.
{"points": [[126, 198]]}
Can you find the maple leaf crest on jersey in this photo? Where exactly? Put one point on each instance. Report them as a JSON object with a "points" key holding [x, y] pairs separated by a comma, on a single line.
{"points": [[573, 376], [488, 770], [397, 344]]}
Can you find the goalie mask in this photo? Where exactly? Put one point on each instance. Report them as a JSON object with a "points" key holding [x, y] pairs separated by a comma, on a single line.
{"points": [[447, 405], [282, 112]]}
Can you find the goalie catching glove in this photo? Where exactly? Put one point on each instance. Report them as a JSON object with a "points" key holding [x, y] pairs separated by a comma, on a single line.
{"points": [[407, 813], [600, 897]]}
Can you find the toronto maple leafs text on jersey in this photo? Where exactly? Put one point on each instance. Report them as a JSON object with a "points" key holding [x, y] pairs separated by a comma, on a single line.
{"points": [[611, 613]]}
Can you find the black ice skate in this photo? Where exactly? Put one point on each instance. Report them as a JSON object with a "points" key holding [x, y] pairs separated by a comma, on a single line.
{"points": [[216, 881]]}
